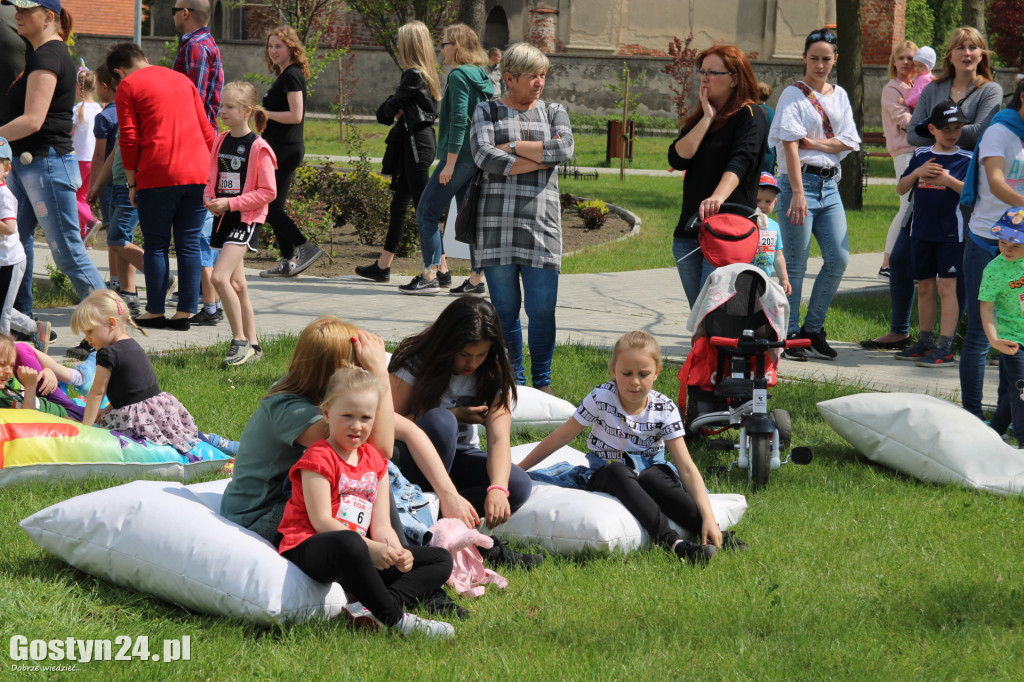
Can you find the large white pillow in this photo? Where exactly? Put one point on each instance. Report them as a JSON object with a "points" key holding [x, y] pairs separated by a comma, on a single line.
{"points": [[565, 520], [928, 438], [162, 539], [535, 409]]}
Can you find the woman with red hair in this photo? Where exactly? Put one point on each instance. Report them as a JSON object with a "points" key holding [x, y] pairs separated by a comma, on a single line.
{"points": [[724, 143]]}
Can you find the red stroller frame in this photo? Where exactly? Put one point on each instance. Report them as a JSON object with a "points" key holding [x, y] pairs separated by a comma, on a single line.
{"points": [[725, 379]]}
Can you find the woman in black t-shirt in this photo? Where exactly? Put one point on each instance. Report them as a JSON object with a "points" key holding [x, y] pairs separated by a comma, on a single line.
{"points": [[285, 104], [723, 144], [37, 123]]}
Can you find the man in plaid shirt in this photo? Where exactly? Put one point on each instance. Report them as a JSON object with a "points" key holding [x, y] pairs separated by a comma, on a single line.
{"points": [[198, 55], [199, 58]]}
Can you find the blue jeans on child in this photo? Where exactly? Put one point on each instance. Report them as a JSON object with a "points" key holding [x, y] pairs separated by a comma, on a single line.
{"points": [[45, 190], [539, 297], [826, 221], [434, 201], [1011, 382], [124, 218], [974, 353]]}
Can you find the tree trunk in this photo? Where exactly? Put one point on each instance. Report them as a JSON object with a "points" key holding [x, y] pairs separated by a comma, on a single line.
{"points": [[473, 13], [851, 78], [974, 15]]}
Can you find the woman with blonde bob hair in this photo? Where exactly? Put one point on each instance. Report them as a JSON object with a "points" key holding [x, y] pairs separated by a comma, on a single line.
{"points": [[289, 418], [285, 104], [468, 84], [411, 143]]}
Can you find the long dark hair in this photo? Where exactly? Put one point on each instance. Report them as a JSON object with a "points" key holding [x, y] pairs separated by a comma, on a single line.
{"points": [[430, 355]]}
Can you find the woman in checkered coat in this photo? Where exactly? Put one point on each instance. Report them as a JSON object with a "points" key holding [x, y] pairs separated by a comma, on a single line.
{"points": [[519, 140]]}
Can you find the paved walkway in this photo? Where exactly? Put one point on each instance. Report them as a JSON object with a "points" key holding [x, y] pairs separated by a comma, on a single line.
{"points": [[594, 309]]}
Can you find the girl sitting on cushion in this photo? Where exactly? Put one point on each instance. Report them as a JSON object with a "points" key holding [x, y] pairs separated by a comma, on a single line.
{"points": [[448, 379], [38, 374], [632, 425], [336, 525], [138, 408]]}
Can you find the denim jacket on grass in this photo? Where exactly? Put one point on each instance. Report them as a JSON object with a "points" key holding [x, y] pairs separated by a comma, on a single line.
{"points": [[568, 475]]}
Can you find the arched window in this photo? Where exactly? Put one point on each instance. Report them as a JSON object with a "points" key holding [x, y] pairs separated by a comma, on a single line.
{"points": [[496, 30]]}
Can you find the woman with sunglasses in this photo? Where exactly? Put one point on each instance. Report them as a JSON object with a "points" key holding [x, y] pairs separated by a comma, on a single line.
{"points": [[723, 142], [813, 131]]}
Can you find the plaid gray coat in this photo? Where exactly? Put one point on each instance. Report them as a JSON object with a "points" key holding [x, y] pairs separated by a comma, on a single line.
{"points": [[519, 219]]}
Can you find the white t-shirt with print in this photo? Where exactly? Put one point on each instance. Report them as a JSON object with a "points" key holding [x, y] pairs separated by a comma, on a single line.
{"points": [[997, 140], [459, 386], [83, 140], [796, 118], [614, 431], [11, 250]]}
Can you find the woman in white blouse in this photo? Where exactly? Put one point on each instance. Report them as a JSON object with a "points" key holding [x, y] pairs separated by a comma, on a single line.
{"points": [[813, 130]]}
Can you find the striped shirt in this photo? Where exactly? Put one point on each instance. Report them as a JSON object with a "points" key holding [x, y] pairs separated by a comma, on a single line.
{"points": [[519, 216], [199, 58]]}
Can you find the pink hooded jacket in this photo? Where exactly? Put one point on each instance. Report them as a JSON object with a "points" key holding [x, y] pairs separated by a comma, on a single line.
{"points": [[260, 187]]}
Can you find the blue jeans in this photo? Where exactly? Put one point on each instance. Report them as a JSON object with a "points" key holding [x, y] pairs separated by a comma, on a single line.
{"points": [[207, 254], [826, 221], [975, 350], [540, 295], [161, 211], [45, 190], [693, 269], [434, 201], [901, 285], [124, 218], [106, 202]]}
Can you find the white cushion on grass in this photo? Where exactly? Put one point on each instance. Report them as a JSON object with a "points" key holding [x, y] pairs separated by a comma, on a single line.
{"points": [[565, 520], [536, 409], [169, 541], [928, 438]]}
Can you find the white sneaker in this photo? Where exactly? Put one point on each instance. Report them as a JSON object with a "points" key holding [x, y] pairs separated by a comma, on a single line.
{"points": [[432, 628], [241, 352], [282, 269]]}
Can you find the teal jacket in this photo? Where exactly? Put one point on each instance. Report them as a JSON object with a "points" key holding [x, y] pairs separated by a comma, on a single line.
{"points": [[467, 86]]}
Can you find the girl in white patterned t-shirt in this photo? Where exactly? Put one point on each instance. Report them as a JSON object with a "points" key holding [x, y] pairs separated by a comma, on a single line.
{"points": [[631, 427]]}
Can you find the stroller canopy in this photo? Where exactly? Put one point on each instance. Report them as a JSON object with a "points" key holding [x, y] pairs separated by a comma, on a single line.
{"points": [[745, 291]]}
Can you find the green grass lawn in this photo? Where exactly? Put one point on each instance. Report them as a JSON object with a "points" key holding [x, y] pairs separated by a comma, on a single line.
{"points": [[854, 572]]}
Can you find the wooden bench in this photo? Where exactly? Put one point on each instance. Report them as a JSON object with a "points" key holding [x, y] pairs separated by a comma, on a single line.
{"points": [[875, 139]]}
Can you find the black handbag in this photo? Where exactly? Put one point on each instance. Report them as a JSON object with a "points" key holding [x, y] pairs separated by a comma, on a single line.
{"points": [[465, 220]]}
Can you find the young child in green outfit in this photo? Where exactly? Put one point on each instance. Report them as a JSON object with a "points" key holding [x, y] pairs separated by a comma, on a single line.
{"points": [[1001, 299]]}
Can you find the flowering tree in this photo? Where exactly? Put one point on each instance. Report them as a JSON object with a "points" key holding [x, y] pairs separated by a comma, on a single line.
{"points": [[680, 68]]}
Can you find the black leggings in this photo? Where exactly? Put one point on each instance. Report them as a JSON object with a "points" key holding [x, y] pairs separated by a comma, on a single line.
{"points": [[653, 497], [467, 467], [342, 557], [286, 232], [407, 186]]}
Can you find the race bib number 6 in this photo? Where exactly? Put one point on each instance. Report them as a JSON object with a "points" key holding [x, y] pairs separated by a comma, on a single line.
{"points": [[354, 512]]}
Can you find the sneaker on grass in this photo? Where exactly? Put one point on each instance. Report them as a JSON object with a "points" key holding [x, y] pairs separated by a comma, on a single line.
{"points": [[240, 353], [796, 354], [81, 351], [503, 555], [694, 553]]}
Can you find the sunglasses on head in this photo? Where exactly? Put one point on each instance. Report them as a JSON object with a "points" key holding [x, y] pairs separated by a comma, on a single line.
{"points": [[827, 36]]}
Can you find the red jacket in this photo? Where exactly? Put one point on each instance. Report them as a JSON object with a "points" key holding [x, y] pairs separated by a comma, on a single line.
{"points": [[260, 186], [165, 136]]}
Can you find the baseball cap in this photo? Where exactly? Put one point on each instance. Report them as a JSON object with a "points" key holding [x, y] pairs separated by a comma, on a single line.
{"points": [[944, 114], [5, 150], [53, 5], [768, 180], [1011, 226]]}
